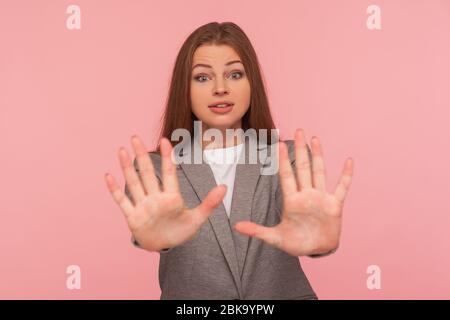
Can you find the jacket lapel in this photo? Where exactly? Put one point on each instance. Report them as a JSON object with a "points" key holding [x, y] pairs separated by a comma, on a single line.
{"points": [[247, 176], [234, 245], [202, 180]]}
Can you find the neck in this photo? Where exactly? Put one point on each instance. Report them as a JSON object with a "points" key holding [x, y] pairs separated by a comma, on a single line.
{"points": [[231, 141]]}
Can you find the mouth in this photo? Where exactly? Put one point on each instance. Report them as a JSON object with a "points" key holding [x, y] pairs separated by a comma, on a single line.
{"points": [[221, 107]]}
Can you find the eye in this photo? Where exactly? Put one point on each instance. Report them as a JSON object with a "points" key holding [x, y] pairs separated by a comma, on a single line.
{"points": [[239, 73], [200, 77]]}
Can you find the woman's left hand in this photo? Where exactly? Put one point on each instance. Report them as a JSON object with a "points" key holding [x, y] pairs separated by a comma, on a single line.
{"points": [[311, 218]]}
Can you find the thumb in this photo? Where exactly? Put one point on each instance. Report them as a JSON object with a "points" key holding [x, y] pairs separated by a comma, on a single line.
{"points": [[266, 234], [211, 201]]}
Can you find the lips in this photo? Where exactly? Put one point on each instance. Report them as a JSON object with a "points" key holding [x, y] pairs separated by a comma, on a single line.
{"points": [[221, 104], [222, 107]]}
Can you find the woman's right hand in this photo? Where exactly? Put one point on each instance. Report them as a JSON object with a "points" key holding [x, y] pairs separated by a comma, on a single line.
{"points": [[158, 219]]}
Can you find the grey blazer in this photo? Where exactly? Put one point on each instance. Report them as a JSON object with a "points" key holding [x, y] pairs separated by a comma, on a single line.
{"points": [[220, 263]]}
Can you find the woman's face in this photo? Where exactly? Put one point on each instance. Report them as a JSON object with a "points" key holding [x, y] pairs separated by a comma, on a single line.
{"points": [[218, 76]]}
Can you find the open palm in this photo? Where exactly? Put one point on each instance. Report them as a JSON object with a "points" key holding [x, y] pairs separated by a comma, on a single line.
{"points": [[155, 211], [311, 218]]}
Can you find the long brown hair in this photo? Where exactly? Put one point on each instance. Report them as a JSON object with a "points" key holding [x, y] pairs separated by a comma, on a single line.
{"points": [[178, 112]]}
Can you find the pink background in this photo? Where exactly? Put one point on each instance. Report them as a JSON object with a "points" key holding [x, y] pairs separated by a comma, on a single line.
{"points": [[70, 98]]}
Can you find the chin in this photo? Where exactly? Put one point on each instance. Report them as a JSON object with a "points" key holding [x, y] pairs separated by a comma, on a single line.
{"points": [[224, 123]]}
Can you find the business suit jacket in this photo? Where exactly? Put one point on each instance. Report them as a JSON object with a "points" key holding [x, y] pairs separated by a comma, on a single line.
{"points": [[220, 263]]}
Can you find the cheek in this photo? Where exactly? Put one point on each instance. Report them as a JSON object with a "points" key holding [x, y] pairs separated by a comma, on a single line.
{"points": [[243, 94], [198, 97]]}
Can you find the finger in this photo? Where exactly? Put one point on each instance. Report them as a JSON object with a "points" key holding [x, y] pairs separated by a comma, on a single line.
{"points": [[119, 197], [210, 202], [169, 169], [319, 172], [302, 164], [287, 178], [344, 181], [146, 169], [131, 176], [266, 234]]}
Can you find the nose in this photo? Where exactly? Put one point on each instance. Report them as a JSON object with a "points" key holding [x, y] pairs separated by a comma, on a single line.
{"points": [[219, 88]]}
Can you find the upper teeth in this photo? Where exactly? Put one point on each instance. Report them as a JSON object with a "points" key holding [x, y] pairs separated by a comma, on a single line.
{"points": [[221, 105]]}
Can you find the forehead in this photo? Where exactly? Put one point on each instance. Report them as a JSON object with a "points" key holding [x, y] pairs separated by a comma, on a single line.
{"points": [[211, 54]]}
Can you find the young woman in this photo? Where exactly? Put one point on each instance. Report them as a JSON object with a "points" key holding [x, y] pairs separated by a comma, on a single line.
{"points": [[226, 231]]}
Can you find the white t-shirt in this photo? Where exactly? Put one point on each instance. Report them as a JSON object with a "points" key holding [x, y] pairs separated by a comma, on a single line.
{"points": [[223, 165]]}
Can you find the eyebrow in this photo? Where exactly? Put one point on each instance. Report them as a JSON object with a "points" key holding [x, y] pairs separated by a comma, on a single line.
{"points": [[208, 66]]}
